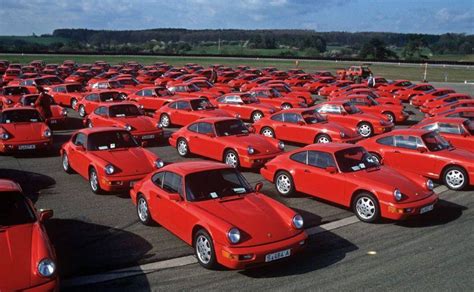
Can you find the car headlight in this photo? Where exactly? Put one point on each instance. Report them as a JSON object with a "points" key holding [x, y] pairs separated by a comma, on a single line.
{"points": [[4, 136], [233, 235], [429, 185], [109, 169], [47, 133], [281, 145], [128, 127], [250, 150], [159, 163], [46, 267], [342, 134], [397, 194], [9, 101], [297, 221]]}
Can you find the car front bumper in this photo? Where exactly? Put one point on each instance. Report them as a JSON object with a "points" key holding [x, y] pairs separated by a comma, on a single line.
{"points": [[23, 146], [119, 183], [400, 211], [254, 161]]}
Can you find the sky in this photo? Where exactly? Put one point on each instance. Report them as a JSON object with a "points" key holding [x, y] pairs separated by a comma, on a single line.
{"points": [[24, 17]]}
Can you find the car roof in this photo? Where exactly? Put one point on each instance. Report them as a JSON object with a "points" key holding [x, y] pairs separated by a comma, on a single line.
{"points": [[329, 147], [185, 168], [109, 104], [407, 131], [7, 185], [93, 130]]}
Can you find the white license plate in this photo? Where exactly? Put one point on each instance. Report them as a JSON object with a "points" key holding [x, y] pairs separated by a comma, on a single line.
{"points": [[277, 255], [148, 137], [26, 147], [53, 121], [426, 209]]}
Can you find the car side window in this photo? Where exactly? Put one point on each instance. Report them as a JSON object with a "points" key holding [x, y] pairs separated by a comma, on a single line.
{"points": [[147, 92], [301, 157], [386, 141], [92, 97], [291, 118], [172, 105], [320, 159], [182, 105], [102, 110], [60, 89], [157, 179], [431, 127], [407, 142], [450, 128], [278, 117], [80, 139], [205, 128], [193, 128], [172, 183]]}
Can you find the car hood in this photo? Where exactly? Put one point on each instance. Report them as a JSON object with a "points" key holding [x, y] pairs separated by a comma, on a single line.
{"points": [[258, 221], [261, 144], [386, 180], [210, 113], [140, 123], [129, 161], [25, 131], [15, 252], [459, 155]]}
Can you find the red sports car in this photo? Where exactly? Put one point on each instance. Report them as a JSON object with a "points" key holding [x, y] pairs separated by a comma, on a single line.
{"points": [[274, 97], [380, 96], [330, 87], [67, 94], [408, 93], [424, 153], [23, 128], [459, 131], [419, 100], [110, 158], [394, 86], [225, 220], [461, 112], [440, 101], [152, 98], [393, 113], [94, 99], [285, 90], [463, 103], [245, 106], [11, 95], [348, 115], [187, 110], [191, 90], [349, 176], [28, 258], [59, 114], [227, 140], [316, 85], [126, 115], [304, 126]]}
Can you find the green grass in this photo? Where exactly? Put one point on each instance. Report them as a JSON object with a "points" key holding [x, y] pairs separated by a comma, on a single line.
{"points": [[33, 39], [390, 71]]}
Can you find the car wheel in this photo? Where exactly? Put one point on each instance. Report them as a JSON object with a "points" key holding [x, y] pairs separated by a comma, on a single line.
{"points": [[455, 178], [323, 138], [284, 184], [365, 129], [182, 147], [89, 124], [390, 116], [231, 158], [73, 103], [267, 132], [286, 106], [66, 167], [165, 120], [366, 207], [204, 250], [257, 115], [376, 157], [143, 211], [82, 111], [94, 181]]}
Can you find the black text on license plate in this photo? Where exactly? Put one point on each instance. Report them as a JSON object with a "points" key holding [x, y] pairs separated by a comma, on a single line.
{"points": [[148, 137], [426, 209], [26, 147], [277, 255]]}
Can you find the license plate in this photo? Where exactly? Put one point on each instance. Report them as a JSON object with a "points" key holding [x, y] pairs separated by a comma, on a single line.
{"points": [[26, 147], [53, 121], [277, 255], [148, 137], [426, 209]]}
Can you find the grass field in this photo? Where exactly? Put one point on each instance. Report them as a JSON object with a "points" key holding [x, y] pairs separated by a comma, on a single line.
{"points": [[390, 71]]}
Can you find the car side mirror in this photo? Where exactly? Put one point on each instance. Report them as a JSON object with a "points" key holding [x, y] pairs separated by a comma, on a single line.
{"points": [[45, 214], [211, 135], [174, 197], [258, 187], [422, 149], [331, 169]]}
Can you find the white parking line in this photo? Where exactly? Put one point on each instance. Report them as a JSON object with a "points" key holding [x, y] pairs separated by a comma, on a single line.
{"points": [[188, 260]]}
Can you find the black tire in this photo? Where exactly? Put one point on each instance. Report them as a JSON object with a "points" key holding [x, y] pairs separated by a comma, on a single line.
{"points": [[143, 214], [365, 129], [73, 102], [65, 162], [82, 111], [366, 207], [455, 178], [256, 115], [284, 184], [231, 158], [165, 120], [390, 116], [179, 147], [95, 186], [207, 259], [322, 138], [268, 132], [89, 124]]}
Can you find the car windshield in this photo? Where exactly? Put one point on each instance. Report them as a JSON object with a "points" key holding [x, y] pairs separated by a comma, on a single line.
{"points": [[435, 142], [372, 100], [14, 210], [110, 140], [406, 84], [15, 91], [162, 92], [231, 128], [127, 110], [222, 183], [248, 99], [74, 88], [312, 117], [351, 109], [115, 84], [20, 116], [201, 104], [355, 159], [130, 81], [111, 96], [275, 93]]}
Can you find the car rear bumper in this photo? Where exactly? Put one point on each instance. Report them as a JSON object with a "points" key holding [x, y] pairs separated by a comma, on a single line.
{"points": [[23, 146], [52, 285], [245, 257], [149, 136], [401, 211]]}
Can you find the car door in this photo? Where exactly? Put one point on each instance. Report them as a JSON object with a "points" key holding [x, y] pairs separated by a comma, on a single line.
{"points": [[91, 102], [455, 133], [78, 159], [200, 141], [183, 114], [290, 129], [101, 118]]}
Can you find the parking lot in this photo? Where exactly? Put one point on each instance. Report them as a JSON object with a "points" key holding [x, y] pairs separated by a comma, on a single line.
{"points": [[95, 234]]}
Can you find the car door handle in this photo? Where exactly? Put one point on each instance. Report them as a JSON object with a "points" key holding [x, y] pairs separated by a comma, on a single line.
{"points": [[396, 151]]}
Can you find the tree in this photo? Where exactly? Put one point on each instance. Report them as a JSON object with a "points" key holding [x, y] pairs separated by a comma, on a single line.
{"points": [[375, 49]]}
